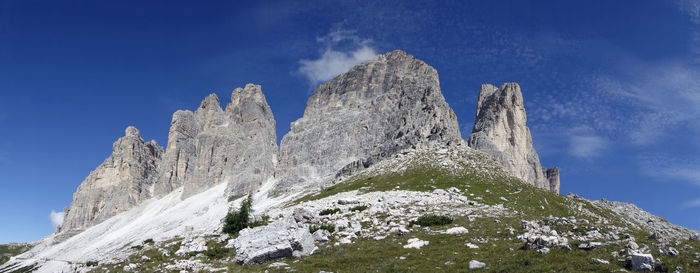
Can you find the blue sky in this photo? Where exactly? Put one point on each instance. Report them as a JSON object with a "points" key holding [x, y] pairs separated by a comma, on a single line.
{"points": [[612, 88]]}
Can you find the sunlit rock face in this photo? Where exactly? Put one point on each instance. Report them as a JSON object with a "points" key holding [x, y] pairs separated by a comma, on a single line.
{"points": [[500, 130], [237, 145], [121, 182], [377, 108]]}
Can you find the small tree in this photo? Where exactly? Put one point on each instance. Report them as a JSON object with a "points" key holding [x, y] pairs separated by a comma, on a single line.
{"points": [[236, 221]]}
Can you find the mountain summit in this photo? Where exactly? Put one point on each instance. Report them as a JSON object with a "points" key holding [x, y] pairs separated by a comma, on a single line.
{"points": [[389, 103]]}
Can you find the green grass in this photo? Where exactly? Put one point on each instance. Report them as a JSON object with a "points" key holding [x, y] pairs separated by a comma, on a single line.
{"points": [[447, 253], [328, 227], [9, 250], [358, 208], [432, 220], [329, 211]]}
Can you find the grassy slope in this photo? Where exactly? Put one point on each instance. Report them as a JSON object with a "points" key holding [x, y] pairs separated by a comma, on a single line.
{"points": [[447, 252], [7, 251]]}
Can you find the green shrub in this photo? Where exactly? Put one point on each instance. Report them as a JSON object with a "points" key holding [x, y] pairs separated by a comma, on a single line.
{"points": [[432, 220], [236, 221], [217, 251], [329, 227], [358, 208], [148, 241], [329, 211], [138, 247], [91, 263]]}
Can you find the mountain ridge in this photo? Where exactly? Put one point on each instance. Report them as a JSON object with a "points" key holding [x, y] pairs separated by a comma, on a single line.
{"points": [[388, 110]]}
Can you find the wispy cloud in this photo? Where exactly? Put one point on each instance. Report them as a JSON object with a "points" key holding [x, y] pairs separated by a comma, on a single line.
{"points": [[695, 203], [56, 218], [585, 144], [659, 100], [342, 50], [666, 167]]}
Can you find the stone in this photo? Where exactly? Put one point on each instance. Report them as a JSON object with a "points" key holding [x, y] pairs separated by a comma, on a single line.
{"points": [[237, 146], [472, 246], [303, 215], [375, 110], [694, 237], [672, 252], [348, 201], [641, 262], [190, 245], [543, 250], [122, 181], [416, 243], [500, 130], [283, 238], [456, 230], [474, 264], [600, 261], [321, 235], [401, 231], [632, 245]]}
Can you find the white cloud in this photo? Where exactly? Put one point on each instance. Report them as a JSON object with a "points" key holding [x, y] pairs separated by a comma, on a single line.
{"points": [[695, 203], [658, 100], [332, 61], [585, 144], [56, 218]]}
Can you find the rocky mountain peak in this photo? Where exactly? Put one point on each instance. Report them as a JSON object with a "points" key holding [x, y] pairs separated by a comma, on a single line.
{"points": [[212, 146], [389, 103], [132, 131], [500, 130], [121, 182]]}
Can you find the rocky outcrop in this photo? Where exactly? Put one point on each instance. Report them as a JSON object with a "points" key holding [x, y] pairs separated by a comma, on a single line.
{"points": [[237, 146], [121, 182], [500, 130], [389, 103], [552, 175], [284, 238]]}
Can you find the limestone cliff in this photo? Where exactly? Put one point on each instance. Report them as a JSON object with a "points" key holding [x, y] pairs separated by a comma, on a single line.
{"points": [[377, 108], [121, 182], [500, 130], [211, 146]]}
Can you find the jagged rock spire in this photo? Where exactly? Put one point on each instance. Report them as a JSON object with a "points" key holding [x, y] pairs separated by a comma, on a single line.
{"points": [[374, 110], [121, 182], [500, 130], [237, 146]]}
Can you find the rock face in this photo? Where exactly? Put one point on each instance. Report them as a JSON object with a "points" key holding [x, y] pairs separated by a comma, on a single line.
{"points": [[237, 146], [552, 175], [121, 182], [382, 106], [500, 130]]}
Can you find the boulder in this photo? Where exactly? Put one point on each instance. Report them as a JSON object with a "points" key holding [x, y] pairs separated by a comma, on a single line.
{"points": [[281, 239], [302, 215], [474, 264], [456, 230], [416, 243], [190, 245], [641, 262]]}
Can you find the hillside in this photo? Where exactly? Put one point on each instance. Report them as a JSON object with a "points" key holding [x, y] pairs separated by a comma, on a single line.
{"points": [[374, 177], [502, 215]]}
